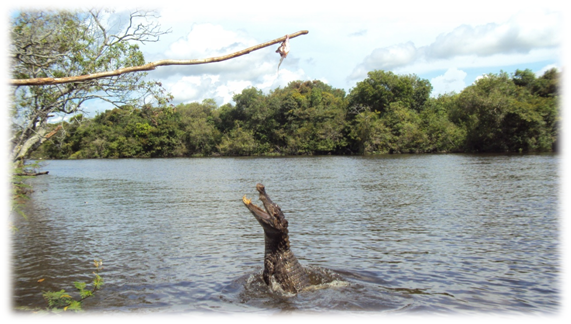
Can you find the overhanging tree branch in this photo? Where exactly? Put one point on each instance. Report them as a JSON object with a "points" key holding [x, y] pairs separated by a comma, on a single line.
{"points": [[149, 66]]}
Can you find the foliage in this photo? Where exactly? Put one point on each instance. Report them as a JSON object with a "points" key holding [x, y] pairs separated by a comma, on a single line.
{"points": [[121, 133], [369, 133], [442, 135], [394, 114], [59, 301], [382, 88], [509, 114], [199, 132], [312, 117], [72, 43], [386, 113], [238, 141]]}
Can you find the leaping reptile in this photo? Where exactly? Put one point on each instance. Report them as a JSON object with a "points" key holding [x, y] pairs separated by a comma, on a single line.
{"points": [[279, 262]]}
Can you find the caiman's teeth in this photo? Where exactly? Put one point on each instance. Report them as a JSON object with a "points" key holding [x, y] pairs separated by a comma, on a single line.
{"points": [[246, 200]]}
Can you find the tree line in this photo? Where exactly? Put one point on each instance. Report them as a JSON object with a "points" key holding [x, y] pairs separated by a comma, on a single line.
{"points": [[384, 113]]}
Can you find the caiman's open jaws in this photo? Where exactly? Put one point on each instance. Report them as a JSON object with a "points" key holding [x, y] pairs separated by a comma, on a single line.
{"points": [[272, 219]]}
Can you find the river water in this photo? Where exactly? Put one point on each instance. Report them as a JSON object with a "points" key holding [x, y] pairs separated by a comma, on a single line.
{"points": [[404, 234]]}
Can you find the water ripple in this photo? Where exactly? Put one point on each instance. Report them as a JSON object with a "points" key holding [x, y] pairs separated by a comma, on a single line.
{"points": [[409, 233]]}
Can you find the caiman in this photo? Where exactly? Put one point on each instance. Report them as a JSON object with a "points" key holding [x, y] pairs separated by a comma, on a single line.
{"points": [[279, 262]]}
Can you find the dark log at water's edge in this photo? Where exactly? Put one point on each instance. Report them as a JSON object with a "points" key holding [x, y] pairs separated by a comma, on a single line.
{"points": [[31, 174]]}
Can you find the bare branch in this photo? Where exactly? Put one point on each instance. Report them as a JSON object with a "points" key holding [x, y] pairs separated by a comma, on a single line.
{"points": [[150, 66]]}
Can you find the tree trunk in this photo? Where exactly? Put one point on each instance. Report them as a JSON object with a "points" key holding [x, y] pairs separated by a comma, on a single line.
{"points": [[21, 152]]}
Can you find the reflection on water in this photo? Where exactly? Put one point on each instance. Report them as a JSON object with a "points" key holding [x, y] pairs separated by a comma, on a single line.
{"points": [[407, 233]]}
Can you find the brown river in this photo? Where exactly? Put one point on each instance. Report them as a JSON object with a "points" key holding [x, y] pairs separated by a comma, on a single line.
{"points": [[404, 234]]}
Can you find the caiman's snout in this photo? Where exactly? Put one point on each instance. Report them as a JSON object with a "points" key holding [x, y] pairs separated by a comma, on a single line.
{"points": [[261, 189], [248, 202], [272, 218]]}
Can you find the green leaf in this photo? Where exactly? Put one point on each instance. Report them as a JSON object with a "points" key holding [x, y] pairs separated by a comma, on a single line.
{"points": [[97, 282], [79, 285], [85, 293], [75, 306]]}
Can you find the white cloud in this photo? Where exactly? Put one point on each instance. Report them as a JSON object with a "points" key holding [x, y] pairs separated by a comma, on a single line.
{"points": [[286, 76], [451, 81], [386, 58], [209, 40], [473, 61], [206, 40], [343, 51], [227, 91], [520, 34], [192, 88], [525, 35], [209, 86], [222, 80]]}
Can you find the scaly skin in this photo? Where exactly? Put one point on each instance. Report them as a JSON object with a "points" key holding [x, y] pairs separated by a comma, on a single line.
{"points": [[279, 260]]}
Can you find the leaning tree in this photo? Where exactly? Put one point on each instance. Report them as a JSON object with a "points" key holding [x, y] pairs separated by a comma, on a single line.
{"points": [[52, 44], [62, 59]]}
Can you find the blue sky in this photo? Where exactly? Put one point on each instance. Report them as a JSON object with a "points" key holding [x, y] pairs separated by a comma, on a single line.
{"points": [[450, 43]]}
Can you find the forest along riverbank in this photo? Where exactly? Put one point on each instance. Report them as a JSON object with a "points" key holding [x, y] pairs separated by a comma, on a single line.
{"points": [[385, 113]]}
